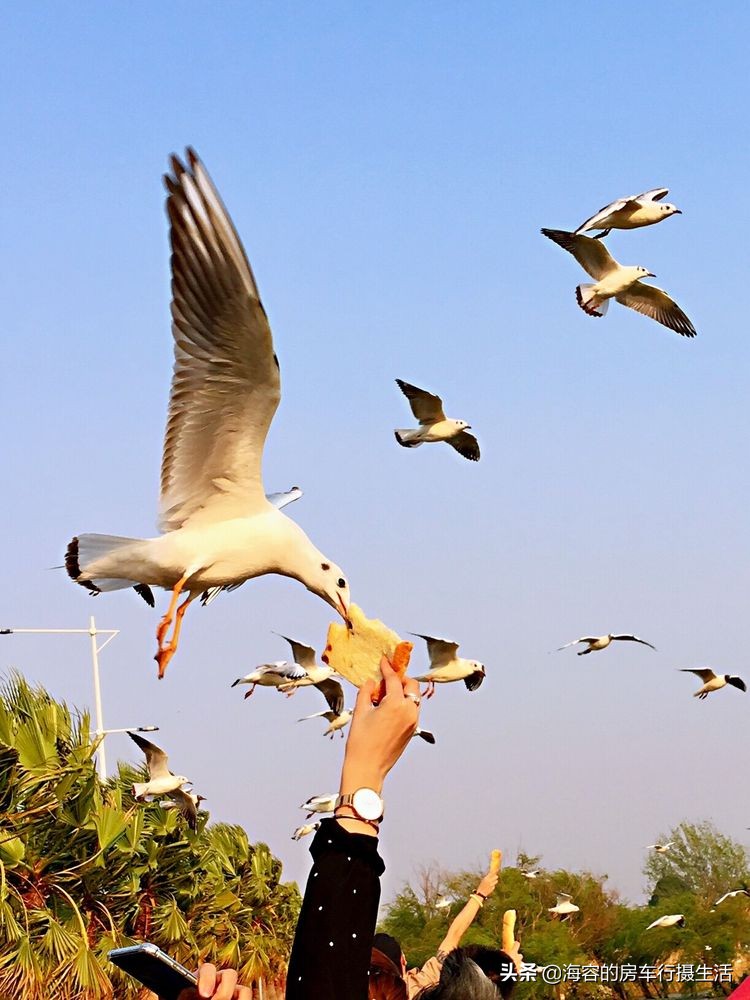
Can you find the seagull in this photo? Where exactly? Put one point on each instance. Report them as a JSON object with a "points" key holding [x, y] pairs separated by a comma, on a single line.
{"points": [[219, 529], [443, 903], [434, 425], [631, 213], [535, 873], [275, 674], [320, 804], [445, 666], [744, 891], [613, 280], [671, 920], [187, 804], [597, 642], [337, 716], [564, 905], [161, 781], [302, 831], [313, 674], [714, 682], [660, 848]]}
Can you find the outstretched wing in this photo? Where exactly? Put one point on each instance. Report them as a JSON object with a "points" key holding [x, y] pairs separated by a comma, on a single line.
{"points": [[466, 444], [656, 304], [573, 642], [426, 407], [226, 386], [318, 715], [333, 693], [598, 219], [440, 651], [591, 254], [156, 760], [705, 675], [655, 195], [473, 681], [304, 655], [187, 808], [633, 638]]}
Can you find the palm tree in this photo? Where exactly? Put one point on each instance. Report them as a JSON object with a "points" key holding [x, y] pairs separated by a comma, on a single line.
{"points": [[84, 868]]}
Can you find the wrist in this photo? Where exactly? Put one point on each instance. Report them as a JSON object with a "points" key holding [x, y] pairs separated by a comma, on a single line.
{"points": [[360, 775]]}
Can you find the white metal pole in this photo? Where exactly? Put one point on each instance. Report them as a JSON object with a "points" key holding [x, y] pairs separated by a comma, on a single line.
{"points": [[101, 757]]}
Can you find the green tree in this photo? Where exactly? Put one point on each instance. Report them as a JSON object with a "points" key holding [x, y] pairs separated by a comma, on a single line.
{"points": [[84, 868], [701, 860]]}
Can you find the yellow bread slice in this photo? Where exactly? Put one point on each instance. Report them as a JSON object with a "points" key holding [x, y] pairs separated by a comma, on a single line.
{"points": [[355, 653]]}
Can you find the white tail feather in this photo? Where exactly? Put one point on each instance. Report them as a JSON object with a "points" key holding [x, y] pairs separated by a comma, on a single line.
{"points": [[406, 438], [589, 302]]}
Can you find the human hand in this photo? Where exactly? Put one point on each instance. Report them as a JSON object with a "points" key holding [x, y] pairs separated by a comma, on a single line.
{"points": [[489, 883], [216, 985], [379, 735]]}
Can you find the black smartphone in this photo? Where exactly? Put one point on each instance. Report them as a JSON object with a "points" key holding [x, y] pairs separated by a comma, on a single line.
{"points": [[156, 970]]}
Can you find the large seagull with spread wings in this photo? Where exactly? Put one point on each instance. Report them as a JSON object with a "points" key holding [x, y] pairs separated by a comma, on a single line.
{"points": [[219, 528]]}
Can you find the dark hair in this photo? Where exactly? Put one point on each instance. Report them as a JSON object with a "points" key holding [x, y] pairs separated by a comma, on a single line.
{"points": [[460, 979], [495, 964], [390, 947], [385, 982]]}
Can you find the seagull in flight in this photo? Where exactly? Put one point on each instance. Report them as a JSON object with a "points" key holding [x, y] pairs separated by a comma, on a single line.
{"points": [[534, 873], [730, 895], [302, 831], [670, 920], [597, 642], [713, 682], [320, 804], [434, 425], [161, 781], [447, 666], [660, 848], [630, 213], [616, 281], [337, 716], [276, 674], [314, 674], [187, 805], [564, 905], [219, 529]]}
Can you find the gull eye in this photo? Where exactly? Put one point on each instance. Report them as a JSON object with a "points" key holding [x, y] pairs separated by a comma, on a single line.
{"points": [[341, 582], [325, 566]]}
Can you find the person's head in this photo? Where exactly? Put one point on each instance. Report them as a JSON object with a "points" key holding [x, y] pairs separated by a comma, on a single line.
{"points": [[461, 979], [385, 982], [495, 964], [390, 947]]}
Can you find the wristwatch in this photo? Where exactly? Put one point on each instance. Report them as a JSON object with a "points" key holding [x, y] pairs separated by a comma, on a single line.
{"points": [[365, 803]]}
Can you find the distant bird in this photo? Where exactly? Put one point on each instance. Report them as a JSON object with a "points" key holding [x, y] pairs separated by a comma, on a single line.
{"points": [[302, 831], [220, 529], [443, 903], [337, 716], [320, 804], [597, 642], [534, 873], [613, 280], [314, 673], [426, 735], [744, 891], [671, 920], [660, 848], [714, 682], [631, 213], [564, 905], [161, 781], [446, 666], [187, 804], [275, 674], [434, 425]]}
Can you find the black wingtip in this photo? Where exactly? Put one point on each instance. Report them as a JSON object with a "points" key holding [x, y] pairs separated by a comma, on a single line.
{"points": [[143, 590]]}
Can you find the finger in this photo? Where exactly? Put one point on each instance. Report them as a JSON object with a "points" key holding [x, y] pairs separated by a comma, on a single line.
{"points": [[411, 686], [206, 980], [364, 696], [243, 993], [393, 683], [227, 983]]}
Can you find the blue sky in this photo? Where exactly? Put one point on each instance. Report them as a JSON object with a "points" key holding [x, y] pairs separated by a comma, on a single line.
{"points": [[388, 167]]}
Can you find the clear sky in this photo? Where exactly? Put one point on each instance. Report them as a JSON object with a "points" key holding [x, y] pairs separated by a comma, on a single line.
{"points": [[388, 166]]}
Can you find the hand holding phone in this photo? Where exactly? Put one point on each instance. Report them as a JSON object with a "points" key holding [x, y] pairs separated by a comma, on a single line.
{"points": [[171, 981]]}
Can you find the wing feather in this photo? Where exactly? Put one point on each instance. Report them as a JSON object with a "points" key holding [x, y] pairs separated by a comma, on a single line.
{"points": [[440, 651], [466, 445], [425, 406], [656, 304], [226, 385], [591, 254], [156, 760]]}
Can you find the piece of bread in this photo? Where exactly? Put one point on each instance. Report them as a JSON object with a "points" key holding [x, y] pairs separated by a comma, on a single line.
{"points": [[509, 931], [355, 653], [495, 859]]}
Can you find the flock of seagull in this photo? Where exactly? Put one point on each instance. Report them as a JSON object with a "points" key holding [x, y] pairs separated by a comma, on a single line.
{"points": [[219, 528]]}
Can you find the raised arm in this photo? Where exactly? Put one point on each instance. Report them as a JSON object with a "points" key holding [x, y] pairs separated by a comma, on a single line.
{"points": [[467, 916]]}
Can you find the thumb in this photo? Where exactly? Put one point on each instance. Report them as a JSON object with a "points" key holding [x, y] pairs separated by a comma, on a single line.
{"points": [[364, 696]]}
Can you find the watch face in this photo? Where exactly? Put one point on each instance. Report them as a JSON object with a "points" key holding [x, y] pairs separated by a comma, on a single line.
{"points": [[367, 803]]}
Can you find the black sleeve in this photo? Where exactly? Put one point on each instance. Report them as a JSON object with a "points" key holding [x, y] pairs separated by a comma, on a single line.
{"points": [[333, 942]]}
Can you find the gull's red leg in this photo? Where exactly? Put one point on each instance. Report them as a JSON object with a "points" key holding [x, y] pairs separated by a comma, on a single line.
{"points": [[166, 650]]}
